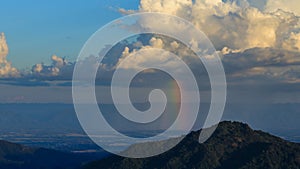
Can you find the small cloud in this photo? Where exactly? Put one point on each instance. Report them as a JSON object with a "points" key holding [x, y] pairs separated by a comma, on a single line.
{"points": [[58, 66], [6, 68], [126, 12]]}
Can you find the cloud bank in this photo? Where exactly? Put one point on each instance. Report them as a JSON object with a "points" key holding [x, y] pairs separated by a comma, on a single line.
{"points": [[237, 24], [60, 66], [259, 40]]}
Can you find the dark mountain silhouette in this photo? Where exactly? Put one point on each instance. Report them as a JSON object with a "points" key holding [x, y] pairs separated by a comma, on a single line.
{"points": [[233, 145], [16, 156]]}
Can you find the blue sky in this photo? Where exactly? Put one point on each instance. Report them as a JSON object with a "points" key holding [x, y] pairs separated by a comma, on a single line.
{"points": [[260, 47], [35, 30]]}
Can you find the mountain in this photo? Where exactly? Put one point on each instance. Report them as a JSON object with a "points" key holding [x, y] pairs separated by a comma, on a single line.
{"points": [[16, 156], [233, 145]]}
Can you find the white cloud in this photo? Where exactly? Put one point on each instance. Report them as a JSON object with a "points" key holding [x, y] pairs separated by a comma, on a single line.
{"points": [[262, 29], [293, 42], [174, 45], [257, 38], [156, 43], [37, 68], [3, 46], [287, 5], [236, 24], [58, 61], [167, 6], [146, 57], [58, 64], [6, 69], [125, 52]]}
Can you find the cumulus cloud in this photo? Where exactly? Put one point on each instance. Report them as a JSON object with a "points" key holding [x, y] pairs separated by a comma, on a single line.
{"points": [[258, 64], [3, 47], [58, 61], [236, 24], [171, 7], [255, 38], [293, 42], [55, 69], [290, 5], [38, 68], [263, 64], [6, 68], [156, 43], [59, 66], [146, 56], [135, 61]]}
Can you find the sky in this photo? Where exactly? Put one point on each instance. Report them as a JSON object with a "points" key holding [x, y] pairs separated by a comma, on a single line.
{"points": [[36, 30], [258, 42]]}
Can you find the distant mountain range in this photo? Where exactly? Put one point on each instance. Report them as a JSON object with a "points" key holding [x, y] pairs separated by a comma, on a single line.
{"points": [[16, 156], [233, 146]]}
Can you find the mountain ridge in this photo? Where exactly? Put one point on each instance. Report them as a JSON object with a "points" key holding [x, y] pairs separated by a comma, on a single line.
{"points": [[17, 156], [232, 145]]}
